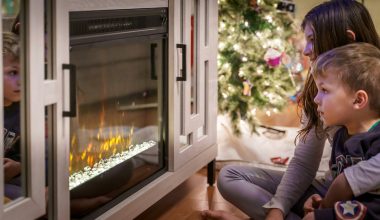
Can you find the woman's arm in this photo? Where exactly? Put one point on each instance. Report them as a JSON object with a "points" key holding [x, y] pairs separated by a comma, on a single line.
{"points": [[11, 169], [300, 173]]}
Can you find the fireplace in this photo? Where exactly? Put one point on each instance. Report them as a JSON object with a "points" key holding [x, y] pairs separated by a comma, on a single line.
{"points": [[118, 125]]}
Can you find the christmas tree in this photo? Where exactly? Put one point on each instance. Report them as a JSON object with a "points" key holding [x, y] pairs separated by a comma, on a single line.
{"points": [[255, 59]]}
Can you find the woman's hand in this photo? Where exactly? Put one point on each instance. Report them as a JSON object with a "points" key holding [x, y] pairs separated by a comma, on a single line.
{"points": [[312, 203], [274, 214], [11, 169]]}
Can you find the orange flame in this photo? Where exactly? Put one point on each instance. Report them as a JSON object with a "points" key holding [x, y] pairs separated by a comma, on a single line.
{"points": [[98, 148]]}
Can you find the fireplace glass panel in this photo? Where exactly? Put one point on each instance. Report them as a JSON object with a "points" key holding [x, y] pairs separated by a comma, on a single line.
{"points": [[194, 54], [14, 100], [117, 136]]}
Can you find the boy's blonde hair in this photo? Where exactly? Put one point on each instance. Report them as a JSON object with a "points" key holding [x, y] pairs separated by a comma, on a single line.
{"points": [[357, 65], [11, 44]]}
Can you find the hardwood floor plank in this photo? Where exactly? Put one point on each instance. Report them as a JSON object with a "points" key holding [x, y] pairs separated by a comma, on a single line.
{"points": [[188, 200]]}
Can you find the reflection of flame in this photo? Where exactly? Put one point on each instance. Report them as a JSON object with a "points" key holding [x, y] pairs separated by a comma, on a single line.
{"points": [[98, 147]]}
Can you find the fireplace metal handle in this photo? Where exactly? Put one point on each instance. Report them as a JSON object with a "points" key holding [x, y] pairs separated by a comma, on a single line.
{"points": [[73, 96], [153, 74], [183, 77]]}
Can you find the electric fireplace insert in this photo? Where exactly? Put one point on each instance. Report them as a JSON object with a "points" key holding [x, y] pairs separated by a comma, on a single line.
{"points": [[118, 128]]}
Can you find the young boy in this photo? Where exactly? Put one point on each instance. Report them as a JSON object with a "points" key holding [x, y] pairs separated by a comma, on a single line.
{"points": [[12, 93], [348, 80]]}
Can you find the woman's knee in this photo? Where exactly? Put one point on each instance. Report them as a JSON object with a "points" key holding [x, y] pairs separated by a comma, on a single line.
{"points": [[227, 177], [234, 172], [231, 175]]}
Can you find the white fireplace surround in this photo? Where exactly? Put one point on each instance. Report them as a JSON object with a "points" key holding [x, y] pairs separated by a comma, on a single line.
{"points": [[184, 159]]}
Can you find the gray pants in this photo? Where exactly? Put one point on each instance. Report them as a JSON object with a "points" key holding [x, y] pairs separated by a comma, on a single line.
{"points": [[249, 188], [12, 189]]}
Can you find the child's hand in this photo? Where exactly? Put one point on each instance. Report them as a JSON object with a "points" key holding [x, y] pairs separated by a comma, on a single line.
{"points": [[309, 216], [274, 214], [312, 203], [11, 169]]}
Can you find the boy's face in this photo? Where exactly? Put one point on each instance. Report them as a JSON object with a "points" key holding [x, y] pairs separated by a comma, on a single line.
{"points": [[334, 100], [11, 79]]}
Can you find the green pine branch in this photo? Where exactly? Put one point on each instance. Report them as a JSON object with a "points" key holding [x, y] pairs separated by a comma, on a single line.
{"points": [[246, 32]]}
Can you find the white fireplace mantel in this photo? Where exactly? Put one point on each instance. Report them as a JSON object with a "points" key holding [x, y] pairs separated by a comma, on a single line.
{"points": [[89, 5], [191, 103]]}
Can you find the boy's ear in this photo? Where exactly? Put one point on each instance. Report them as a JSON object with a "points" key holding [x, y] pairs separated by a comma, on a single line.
{"points": [[351, 35], [361, 99]]}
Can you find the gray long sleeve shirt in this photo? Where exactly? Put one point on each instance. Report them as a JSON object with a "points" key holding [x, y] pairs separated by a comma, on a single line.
{"points": [[302, 169]]}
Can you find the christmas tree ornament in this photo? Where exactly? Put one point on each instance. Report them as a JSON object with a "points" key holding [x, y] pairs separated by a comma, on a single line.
{"points": [[286, 60], [254, 5], [286, 6], [247, 86], [297, 65], [273, 57]]}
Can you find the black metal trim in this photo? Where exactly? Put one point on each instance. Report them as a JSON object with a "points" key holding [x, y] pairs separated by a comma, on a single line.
{"points": [[184, 74], [97, 26], [73, 96], [165, 104], [153, 74]]}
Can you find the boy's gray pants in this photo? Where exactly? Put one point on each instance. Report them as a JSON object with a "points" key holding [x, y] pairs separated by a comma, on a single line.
{"points": [[249, 188]]}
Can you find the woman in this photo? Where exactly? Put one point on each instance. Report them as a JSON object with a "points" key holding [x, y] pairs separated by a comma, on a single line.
{"points": [[273, 195]]}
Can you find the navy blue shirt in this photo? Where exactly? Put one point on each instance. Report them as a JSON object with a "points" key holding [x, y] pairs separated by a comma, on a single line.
{"points": [[349, 150], [12, 132]]}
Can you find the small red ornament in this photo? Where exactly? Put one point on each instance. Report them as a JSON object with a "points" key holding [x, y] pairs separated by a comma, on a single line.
{"points": [[279, 160], [254, 5]]}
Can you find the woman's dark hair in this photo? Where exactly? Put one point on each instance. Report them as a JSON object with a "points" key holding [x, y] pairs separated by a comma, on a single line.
{"points": [[330, 22]]}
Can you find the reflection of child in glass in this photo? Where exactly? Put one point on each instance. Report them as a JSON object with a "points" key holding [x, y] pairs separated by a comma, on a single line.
{"points": [[347, 79], [12, 92]]}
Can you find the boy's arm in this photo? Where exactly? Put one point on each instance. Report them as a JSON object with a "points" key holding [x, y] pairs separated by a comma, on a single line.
{"points": [[339, 190], [11, 169]]}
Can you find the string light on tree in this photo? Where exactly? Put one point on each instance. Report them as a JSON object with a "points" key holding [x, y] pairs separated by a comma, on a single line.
{"points": [[254, 39]]}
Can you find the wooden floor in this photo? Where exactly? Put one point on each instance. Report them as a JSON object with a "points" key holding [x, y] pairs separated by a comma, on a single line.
{"points": [[187, 200]]}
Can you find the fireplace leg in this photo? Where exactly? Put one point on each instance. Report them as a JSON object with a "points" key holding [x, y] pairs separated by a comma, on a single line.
{"points": [[211, 173]]}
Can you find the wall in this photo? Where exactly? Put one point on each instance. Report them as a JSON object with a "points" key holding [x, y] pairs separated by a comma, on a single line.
{"points": [[302, 7], [373, 6]]}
